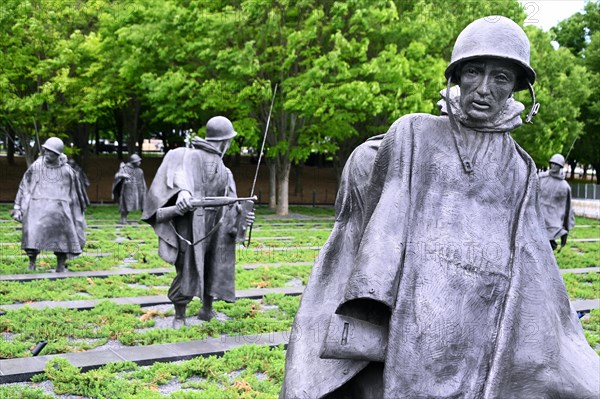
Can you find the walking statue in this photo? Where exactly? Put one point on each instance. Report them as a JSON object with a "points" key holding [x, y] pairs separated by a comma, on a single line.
{"points": [[193, 206], [437, 280], [51, 203], [555, 201], [129, 187]]}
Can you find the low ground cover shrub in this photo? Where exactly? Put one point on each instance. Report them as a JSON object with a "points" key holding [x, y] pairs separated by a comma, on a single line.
{"points": [[249, 371], [69, 330]]}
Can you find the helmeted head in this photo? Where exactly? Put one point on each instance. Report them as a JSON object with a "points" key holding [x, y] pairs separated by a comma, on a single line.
{"points": [[558, 160], [219, 128], [135, 159], [493, 37], [55, 145]]}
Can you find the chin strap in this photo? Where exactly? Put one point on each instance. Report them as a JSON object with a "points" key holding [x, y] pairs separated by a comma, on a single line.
{"points": [[535, 106], [461, 149]]}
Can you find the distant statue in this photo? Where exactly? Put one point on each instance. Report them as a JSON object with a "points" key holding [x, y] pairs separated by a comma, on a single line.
{"points": [[555, 201], [83, 179], [437, 280], [192, 205], [129, 187], [51, 203]]}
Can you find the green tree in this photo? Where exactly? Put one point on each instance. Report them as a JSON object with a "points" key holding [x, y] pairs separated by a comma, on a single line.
{"points": [[27, 39], [581, 35], [562, 87], [42, 79]]}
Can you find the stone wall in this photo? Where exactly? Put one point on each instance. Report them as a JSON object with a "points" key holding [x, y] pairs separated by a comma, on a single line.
{"points": [[318, 184]]}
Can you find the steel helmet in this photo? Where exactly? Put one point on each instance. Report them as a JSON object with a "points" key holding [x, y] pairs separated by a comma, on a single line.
{"points": [[135, 158], [558, 159], [219, 128], [54, 144], [494, 36]]}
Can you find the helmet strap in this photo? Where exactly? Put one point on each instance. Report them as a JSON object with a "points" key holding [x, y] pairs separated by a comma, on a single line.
{"points": [[459, 144], [535, 106]]}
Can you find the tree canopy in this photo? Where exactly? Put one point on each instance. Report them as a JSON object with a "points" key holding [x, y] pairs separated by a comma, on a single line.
{"points": [[580, 34], [345, 70]]}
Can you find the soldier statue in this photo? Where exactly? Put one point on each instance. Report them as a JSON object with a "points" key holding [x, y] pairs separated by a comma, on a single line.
{"points": [[199, 241], [555, 201], [437, 280], [51, 203], [129, 187]]}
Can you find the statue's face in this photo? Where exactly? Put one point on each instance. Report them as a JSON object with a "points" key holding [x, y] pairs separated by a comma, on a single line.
{"points": [[222, 145], [51, 156], [485, 85], [554, 167]]}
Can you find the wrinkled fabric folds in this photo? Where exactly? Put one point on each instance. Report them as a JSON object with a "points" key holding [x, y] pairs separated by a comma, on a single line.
{"points": [[129, 188], [53, 203], [210, 268], [460, 262], [555, 201]]}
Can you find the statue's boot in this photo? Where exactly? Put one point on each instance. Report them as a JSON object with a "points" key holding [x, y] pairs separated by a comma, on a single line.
{"points": [[179, 319], [32, 258], [61, 258], [206, 312], [123, 218]]}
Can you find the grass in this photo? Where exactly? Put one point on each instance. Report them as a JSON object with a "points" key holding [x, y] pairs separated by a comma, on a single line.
{"points": [[143, 284], [250, 371], [22, 392], [582, 221], [108, 246], [591, 329], [577, 255], [592, 231], [68, 330], [305, 211], [582, 286]]}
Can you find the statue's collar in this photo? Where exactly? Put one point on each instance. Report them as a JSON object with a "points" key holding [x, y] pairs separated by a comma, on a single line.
{"points": [[507, 120]]}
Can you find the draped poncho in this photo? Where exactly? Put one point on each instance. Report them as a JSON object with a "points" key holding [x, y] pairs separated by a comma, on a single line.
{"points": [[200, 171], [53, 203], [129, 188], [555, 201], [455, 263]]}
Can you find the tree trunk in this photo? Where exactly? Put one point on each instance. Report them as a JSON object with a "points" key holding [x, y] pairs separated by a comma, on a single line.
{"points": [[119, 133], [10, 147], [31, 151], [573, 165], [272, 184], [298, 189], [596, 166], [131, 129], [80, 140], [283, 187], [96, 138]]}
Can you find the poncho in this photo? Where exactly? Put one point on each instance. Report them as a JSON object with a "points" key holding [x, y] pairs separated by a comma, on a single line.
{"points": [[129, 188], [454, 266], [555, 201], [53, 205], [200, 171]]}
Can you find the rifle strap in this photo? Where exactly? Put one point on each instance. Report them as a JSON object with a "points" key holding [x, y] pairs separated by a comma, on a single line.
{"points": [[210, 233]]}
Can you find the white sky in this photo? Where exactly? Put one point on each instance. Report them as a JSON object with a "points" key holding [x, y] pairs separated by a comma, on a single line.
{"points": [[547, 13]]}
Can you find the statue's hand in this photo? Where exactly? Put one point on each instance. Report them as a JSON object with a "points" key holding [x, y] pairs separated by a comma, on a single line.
{"points": [[563, 240], [250, 218], [183, 202], [17, 214]]}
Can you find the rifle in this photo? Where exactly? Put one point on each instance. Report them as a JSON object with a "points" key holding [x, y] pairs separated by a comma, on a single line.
{"points": [[262, 149], [167, 213]]}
